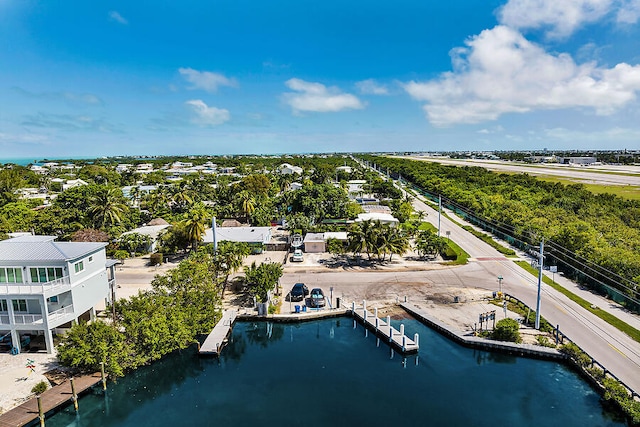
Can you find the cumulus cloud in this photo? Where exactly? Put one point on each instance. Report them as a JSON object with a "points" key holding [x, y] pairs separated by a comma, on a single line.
{"points": [[560, 17], [499, 71], [371, 87], [205, 115], [115, 16], [206, 80], [629, 12], [316, 97]]}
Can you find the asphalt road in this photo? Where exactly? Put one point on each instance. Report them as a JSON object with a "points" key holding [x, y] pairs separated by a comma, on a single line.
{"points": [[604, 175]]}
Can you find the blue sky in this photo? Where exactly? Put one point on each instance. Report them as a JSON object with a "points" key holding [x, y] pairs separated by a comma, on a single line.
{"points": [[232, 77]]}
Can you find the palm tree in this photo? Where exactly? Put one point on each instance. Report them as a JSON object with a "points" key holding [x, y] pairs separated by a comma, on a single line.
{"points": [[182, 198], [247, 204], [397, 242], [194, 222], [107, 208], [229, 259]]}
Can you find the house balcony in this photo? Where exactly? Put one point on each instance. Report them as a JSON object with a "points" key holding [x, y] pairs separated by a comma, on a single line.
{"points": [[27, 319], [49, 288], [57, 317], [60, 316]]}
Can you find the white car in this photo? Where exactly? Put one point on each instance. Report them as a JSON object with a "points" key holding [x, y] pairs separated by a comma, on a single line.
{"points": [[297, 256]]}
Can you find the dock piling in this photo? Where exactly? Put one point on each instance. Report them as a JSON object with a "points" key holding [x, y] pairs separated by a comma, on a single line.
{"points": [[40, 412], [74, 396], [102, 376], [416, 339]]}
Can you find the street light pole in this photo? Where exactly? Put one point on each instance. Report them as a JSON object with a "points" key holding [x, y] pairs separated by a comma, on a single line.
{"points": [[439, 212], [540, 264], [500, 284]]}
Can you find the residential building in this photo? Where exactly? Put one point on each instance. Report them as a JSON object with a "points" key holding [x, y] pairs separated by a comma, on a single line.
{"points": [[314, 243], [45, 286], [287, 169], [258, 235]]}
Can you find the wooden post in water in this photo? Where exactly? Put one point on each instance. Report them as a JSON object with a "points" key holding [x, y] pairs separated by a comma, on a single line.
{"points": [[40, 413], [103, 376], [74, 396], [416, 339]]}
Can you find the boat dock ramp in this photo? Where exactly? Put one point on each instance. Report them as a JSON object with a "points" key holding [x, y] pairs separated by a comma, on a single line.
{"points": [[396, 338], [214, 342]]}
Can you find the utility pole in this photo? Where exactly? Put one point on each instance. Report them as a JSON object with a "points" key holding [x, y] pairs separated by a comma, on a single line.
{"points": [[540, 264], [439, 212]]}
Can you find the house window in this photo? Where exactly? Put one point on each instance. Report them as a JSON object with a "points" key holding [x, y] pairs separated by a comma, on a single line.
{"points": [[91, 258], [44, 275], [53, 299], [10, 275], [20, 305], [4, 307], [78, 266]]}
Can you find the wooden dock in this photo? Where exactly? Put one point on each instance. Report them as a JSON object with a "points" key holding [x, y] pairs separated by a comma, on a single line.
{"points": [[395, 338], [212, 346], [51, 399]]}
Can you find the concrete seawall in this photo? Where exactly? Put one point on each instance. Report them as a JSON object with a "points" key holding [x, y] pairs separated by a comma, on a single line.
{"points": [[524, 350]]}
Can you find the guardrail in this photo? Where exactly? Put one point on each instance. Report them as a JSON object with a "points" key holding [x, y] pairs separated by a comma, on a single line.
{"points": [[63, 312]]}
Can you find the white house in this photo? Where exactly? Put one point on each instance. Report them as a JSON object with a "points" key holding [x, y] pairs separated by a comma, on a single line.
{"points": [[46, 285], [239, 234], [72, 183], [347, 169], [287, 169], [384, 218]]}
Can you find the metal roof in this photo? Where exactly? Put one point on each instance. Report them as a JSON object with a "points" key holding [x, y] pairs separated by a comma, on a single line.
{"points": [[44, 248]]}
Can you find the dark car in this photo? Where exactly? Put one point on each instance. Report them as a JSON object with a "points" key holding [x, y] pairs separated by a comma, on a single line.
{"points": [[316, 299], [298, 292]]}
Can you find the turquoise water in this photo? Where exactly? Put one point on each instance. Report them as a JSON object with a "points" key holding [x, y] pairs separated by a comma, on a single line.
{"points": [[328, 373]]}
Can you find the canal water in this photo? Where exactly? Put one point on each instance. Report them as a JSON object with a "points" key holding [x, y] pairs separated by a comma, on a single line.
{"points": [[328, 373]]}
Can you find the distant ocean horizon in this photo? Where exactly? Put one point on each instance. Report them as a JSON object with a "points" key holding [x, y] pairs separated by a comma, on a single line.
{"points": [[24, 161]]}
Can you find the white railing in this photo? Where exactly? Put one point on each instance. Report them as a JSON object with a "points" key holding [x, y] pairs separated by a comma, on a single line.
{"points": [[4, 319], [27, 319], [35, 288], [61, 313]]}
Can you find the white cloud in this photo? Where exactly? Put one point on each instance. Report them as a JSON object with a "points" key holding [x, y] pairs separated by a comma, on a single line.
{"points": [[371, 87], [206, 80], [115, 16], [629, 12], [207, 116], [316, 97], [499, 71], [560, 17]]}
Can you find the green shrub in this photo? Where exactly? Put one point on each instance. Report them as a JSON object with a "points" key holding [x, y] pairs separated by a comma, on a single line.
{"points": [[40, 388], [507, 330], [576, 354], [155, 258], [543, 341]]}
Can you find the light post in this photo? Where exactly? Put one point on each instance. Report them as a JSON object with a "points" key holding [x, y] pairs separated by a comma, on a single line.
{"points": [[500, 284]]}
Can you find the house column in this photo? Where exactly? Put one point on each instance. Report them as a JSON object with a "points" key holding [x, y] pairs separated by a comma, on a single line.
{"points": [[92, 314], [15, 337], [48, 337]]}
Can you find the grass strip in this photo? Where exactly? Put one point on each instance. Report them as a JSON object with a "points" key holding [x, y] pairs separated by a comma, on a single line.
{"points": [[461, 256], [607, 317], [489, 241]]}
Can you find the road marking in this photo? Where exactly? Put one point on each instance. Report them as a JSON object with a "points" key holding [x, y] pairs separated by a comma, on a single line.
{"points": [[610, 345], [561, 309]]}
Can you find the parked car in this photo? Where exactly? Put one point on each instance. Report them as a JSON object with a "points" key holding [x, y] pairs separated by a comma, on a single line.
{"points": [[298, 292], [316, 299], [297, 256]]}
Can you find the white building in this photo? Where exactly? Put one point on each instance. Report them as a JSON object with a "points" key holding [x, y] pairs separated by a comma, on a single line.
{"points": [[287, 169], [46, 285]]}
